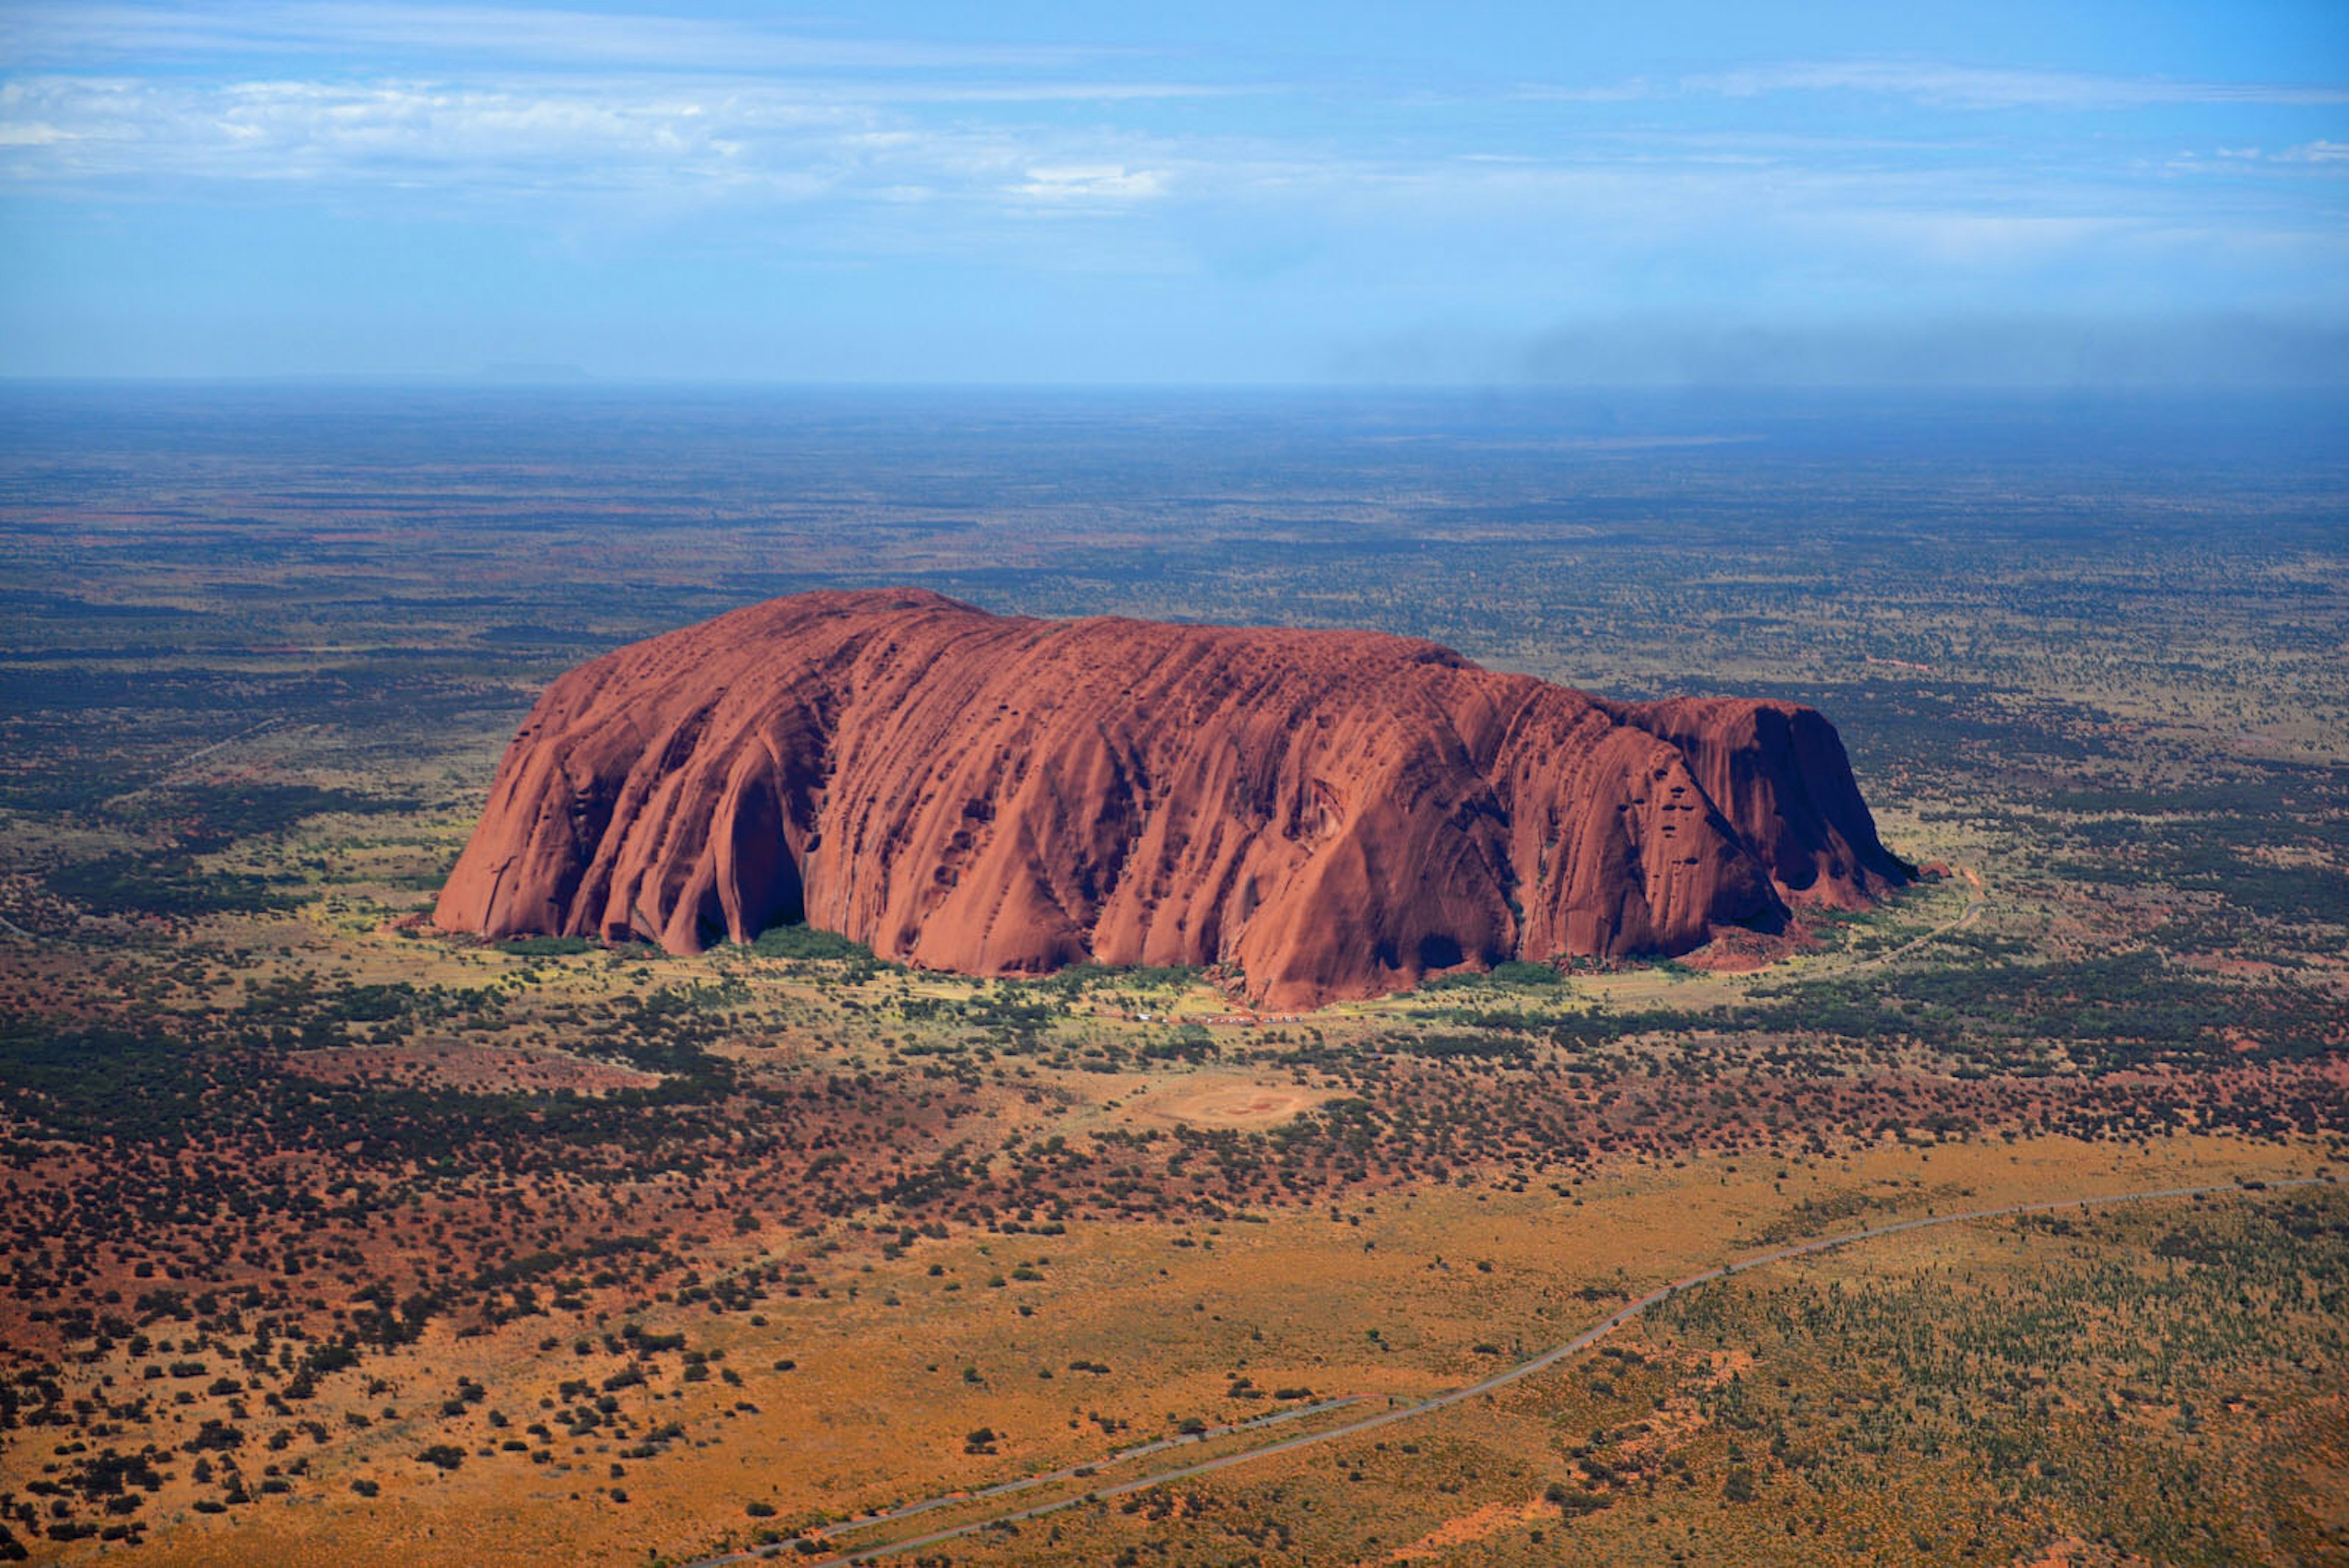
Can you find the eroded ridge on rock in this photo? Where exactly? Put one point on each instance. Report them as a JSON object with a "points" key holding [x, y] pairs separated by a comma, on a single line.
{"points": [[1324, 815]]}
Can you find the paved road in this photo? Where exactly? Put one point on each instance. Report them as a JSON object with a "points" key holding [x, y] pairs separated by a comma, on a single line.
{"points": [[1524, 1369], [1122, 1455]]}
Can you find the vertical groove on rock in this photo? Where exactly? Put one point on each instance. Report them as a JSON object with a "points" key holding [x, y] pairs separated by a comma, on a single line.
{"points": [[1326, 813]]}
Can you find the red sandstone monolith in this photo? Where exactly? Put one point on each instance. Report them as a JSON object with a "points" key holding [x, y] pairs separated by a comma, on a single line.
{"points": [[1321, 814]]}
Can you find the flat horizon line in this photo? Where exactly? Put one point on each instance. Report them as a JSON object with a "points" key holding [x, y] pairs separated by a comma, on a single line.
{"points": [[588, 383]]}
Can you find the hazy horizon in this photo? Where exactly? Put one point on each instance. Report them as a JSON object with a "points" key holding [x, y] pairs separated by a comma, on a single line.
{"points": [[1699, 194]]}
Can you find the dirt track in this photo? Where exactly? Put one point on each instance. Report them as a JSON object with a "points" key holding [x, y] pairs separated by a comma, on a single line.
{"points": [[1394, 1413]]}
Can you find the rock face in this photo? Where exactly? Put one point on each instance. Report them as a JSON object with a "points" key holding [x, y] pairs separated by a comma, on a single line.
{"points": [[1324, 815]]}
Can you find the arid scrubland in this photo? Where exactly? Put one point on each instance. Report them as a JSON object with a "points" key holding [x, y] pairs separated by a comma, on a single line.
{"points": [[323, 1235]]}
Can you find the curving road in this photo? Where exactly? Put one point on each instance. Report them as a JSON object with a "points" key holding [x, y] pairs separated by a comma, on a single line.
{"points": [[1502, 1379]]}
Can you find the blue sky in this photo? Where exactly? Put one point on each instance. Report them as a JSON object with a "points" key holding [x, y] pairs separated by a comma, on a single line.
{"points": [[1480, 193]]}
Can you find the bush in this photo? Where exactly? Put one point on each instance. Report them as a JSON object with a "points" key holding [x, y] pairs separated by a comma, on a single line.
{"points": [[546, 947], [807, 942]]}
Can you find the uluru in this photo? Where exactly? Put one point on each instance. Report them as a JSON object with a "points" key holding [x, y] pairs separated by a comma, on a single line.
{"points": [[1317, 814]]}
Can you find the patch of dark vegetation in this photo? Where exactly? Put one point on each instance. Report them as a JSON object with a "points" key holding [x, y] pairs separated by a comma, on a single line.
{"points": [[2234, 1334], [168, 1086], [547, 947], [1083, 978], [212, 816], [518, 634], [2315, 895], [2137, 1008], [172, 885], [1510, 974], [807, 944]]}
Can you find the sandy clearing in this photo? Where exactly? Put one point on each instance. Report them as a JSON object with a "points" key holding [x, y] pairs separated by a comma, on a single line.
{"points": [[1223, 1101], [1476, 1524]]}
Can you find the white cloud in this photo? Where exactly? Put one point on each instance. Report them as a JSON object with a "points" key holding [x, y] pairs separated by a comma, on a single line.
{"points": [[934, 166], [1629, 91], [677, 141], [1091, 182], [1977, 240], [48, 32], [1972, 87], [2317, 151], [678, 137]]}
